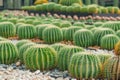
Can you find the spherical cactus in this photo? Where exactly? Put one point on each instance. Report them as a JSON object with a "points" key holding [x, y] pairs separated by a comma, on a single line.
{"points": [[17, 26], [26, 31], [40, 57], [83, 38], [65, 54], [39, 30], [65, 24], [85, 66], [22, 50], [52, 34], [113, 25], [98, 34], [3, 39], [112, 68], [21, 43], [98, 24], [117, 48], [118, 33], [8, 52], [93, 9], [109, 41], [70, 33], [104, 57], [7, 29], [50, 6]]}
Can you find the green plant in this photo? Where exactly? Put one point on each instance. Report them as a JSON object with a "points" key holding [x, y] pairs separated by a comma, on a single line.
{"points": [[42, 57], [26, 31], [93, 9], [50, 6], [52, 34], [109, 41], [83, 64], [98, 24], [79, 24], [116, 3], [87, 2], [65, 24], [70, 33], [8, 52], [83, 38], [7, 29], [17, 26], [64, 33], [112, 68], [22, 50], [98, 34], [65, 54], [118, 33], [84, 9], [22, 42]]}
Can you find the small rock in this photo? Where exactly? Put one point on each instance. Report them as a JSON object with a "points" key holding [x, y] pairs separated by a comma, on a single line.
{"points": [[18, 63]]}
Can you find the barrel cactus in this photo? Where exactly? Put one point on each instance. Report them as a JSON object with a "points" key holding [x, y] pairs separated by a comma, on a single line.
{"points": [[21, 43], [65, 24], [42, 57], [22, 50], [98, 34], [52, 34], [85, 66], [83, 38], [109, 41], [7, 29], [112, 68], [17, 26], [64, 33], [26, 31], [79, 24], [8, 52], [65, 54], [70, 33], [98, 24], [118, 33]]}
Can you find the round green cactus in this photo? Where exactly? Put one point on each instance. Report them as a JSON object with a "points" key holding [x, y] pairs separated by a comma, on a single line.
{"points": [[98, 24], [17, 26], [85, 66], [21, 43], [70, 33], [52, 34], [7, 29], [22, 50], [8, 52], [118, 33], [83, 38], [98, 34], [112, 25], [93, 9], [65, 55], [84, 9], [26, 31], [50, 6], [64, 33], [109, 41], [79, 24], [65, 24], [112, 68], [42, 57]]}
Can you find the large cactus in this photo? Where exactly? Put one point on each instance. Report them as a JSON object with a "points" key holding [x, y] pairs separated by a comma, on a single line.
{"points": [[112, 68], [65, 55], [7, 29], [98, 34], [26, 31], [52, 34], [70, 33], [83, 38], [109, 41], [64, 33], [42, 58], [8, 52], [85, 66]]}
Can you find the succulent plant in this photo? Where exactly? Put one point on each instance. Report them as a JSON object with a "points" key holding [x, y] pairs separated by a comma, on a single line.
{"points": [[40, 57], [7, 29], [26, 31], [79, 24], [64, 33], [65, 54], [83, 38], [52, 34], [83, 64], [109, 41], [8, 52], [98, 34], [117, 48], [98, 24], [65, 24], [112, 68]]}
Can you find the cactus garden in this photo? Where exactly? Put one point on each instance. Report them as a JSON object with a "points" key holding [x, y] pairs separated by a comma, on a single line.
{"points": [[60, 40]]}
